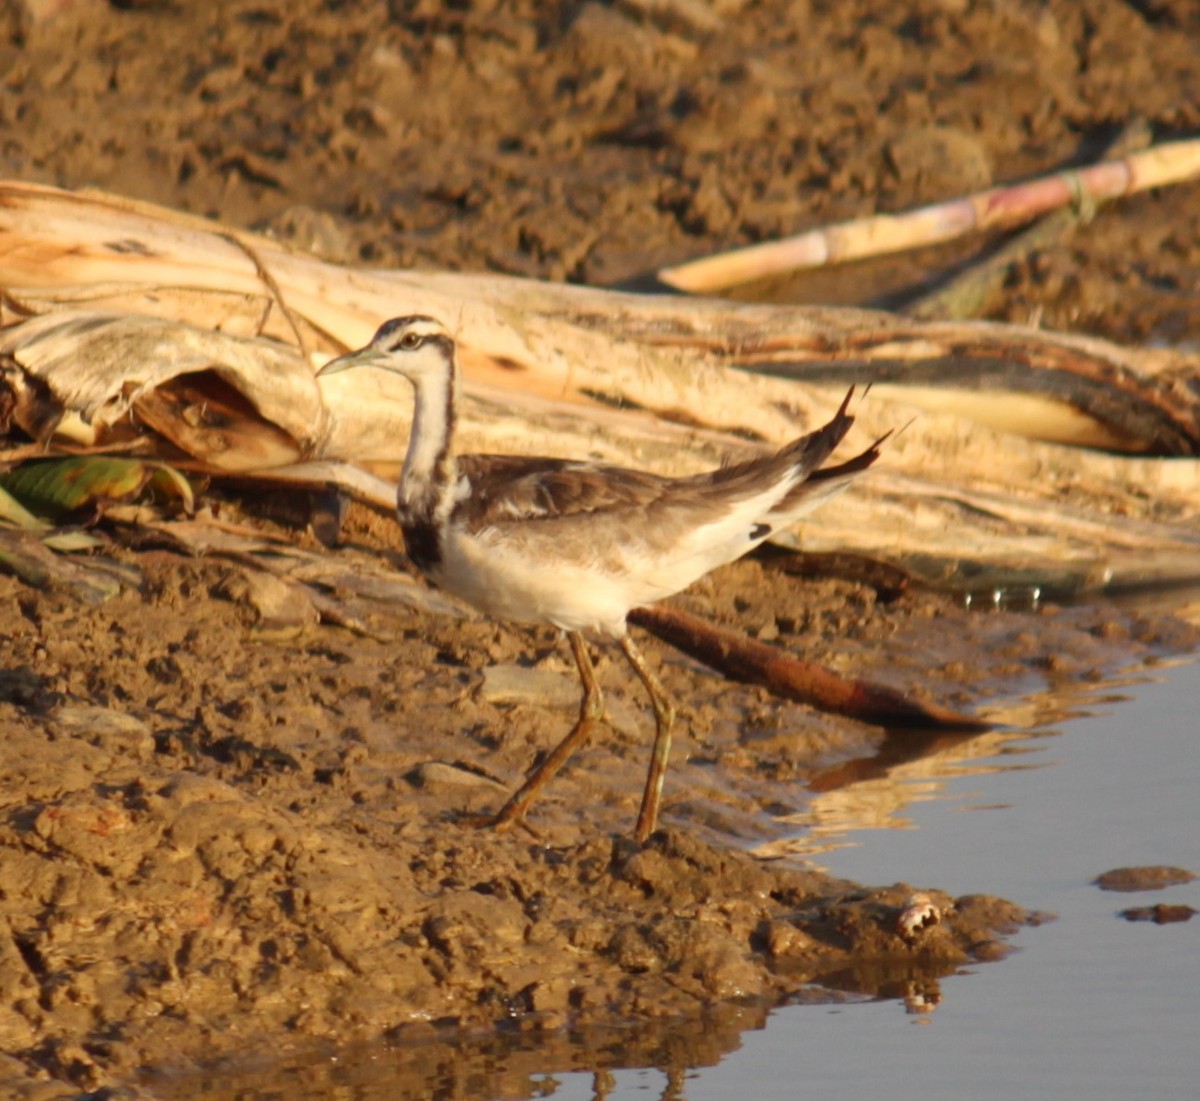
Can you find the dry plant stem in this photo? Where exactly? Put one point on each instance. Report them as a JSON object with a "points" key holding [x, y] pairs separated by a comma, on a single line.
{"points": [[269, 281], [591, 712], [966, 294], [1170, 162], [744, 659]]}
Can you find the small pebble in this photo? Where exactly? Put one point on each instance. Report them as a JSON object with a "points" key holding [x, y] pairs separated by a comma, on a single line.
{"points": [[919, 914], [1162, 914], [440, 776], [509, 683], [105, 728]]}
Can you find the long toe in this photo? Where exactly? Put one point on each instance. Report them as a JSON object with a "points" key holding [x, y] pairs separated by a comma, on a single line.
{"points": [[501, 823]]}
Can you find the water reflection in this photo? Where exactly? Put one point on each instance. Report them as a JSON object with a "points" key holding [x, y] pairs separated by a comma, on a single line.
{"points": [[516, 1064], [526, 1062], [875, 791]]}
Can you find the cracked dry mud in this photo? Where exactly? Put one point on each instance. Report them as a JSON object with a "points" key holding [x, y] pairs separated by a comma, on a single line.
{"points": [[215, 841]]}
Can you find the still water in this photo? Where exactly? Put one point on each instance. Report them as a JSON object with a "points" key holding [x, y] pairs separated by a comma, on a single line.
{"points": [[1089, 1006]]}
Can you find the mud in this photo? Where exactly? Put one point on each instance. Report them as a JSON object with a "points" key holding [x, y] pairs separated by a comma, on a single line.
{"points": [[215, 842], [1152, 878], [220, 836], [595, 141]]}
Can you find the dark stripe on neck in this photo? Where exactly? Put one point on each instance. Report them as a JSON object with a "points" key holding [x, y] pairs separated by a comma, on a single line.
{"points": [[443, 343], [428, 484], [422, 541], [443, 466]]}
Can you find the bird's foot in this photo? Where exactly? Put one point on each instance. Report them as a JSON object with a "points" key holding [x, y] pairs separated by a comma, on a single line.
{"points": [[499, 823]]}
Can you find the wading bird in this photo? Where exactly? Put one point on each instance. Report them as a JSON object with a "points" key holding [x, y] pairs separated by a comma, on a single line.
{"points": [[578, 544]]}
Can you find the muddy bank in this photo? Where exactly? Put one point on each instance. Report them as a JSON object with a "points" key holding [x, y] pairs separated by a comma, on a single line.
{"points": [[214, 841], [218, 836]]}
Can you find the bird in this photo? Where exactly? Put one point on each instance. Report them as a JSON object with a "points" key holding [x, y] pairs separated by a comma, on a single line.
{"points": [[575, 544]]}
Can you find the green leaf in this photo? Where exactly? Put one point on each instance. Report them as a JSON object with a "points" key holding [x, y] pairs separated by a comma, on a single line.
{"points": [[57, 487]]}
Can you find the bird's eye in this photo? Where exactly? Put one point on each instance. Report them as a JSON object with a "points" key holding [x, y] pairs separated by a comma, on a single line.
{"points": [[410, 341]]}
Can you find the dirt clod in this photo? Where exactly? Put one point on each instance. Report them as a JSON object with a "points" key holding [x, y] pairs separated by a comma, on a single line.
{"points": [[1149, 878]]}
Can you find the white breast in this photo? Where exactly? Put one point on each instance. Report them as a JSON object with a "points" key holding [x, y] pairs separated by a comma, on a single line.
{"points": [[584, 576], [502, 579]]}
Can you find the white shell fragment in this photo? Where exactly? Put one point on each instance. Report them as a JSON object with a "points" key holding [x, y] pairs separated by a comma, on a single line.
{"points": [[919, 914]]}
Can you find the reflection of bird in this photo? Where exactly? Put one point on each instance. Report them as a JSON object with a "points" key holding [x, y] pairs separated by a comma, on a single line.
{"points": [[578, 544]]}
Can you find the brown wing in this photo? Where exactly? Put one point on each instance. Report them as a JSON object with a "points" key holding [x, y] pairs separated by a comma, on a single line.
{"points": [[505, 488], [512, 487]]}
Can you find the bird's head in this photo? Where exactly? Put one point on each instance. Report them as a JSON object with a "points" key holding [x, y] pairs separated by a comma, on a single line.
{"points": [[416, 347]]}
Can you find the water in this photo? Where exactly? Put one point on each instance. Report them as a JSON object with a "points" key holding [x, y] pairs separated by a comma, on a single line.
{"points": [[1090, 1006]]}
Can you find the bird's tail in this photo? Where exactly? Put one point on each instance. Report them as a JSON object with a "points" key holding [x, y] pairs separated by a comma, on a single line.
{"points": [[819, 482]]}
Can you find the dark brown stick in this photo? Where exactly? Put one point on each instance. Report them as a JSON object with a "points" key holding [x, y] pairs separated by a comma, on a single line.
{"points": [[744, 659]]}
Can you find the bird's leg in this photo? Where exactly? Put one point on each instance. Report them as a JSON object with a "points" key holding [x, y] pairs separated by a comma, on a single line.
{"points": [[591, 711], [664, 718]]}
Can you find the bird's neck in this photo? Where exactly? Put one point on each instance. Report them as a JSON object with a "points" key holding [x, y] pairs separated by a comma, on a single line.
{"points": [[430, 473]]}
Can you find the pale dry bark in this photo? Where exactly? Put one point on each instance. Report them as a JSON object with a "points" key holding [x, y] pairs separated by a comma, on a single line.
{"points": [[667, 383]]}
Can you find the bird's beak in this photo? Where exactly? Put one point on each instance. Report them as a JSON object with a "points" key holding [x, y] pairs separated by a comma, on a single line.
{"points": [[364, 357]]}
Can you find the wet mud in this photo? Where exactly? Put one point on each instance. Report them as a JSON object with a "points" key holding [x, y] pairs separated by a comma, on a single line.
{"points": [[216, 842], [220, 837]]}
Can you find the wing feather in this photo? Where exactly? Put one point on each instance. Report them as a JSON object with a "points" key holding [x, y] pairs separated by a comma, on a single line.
{"points": [[503, 489]]}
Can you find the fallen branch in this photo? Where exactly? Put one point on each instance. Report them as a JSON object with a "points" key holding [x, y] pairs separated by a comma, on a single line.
{"points": [[543, 342], [639, 380], [1000, 207], [743, 659]]}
